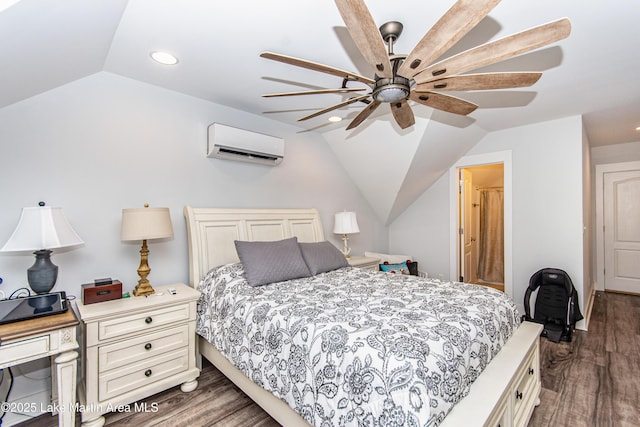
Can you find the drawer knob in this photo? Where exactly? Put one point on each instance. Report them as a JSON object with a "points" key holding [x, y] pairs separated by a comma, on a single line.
{"points": [[147, 346], [531, 371], [148, 320], [147, 373], [518, 394]]}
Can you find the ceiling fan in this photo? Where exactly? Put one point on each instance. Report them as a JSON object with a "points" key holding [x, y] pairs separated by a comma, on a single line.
{"points": [[416, 77]]}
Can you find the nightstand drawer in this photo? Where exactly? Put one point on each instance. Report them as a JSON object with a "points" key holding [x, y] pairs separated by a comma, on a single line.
{"points": [[143, 321], [368, 263], [123, 353], [141, 374]]}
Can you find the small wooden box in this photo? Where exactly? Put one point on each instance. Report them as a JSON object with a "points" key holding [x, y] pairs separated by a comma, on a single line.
{"points": [[92, 293]]}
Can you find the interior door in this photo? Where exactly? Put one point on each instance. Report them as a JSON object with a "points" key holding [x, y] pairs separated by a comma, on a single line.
{"points": [[466, 212], [622, 231], [475, 232]]}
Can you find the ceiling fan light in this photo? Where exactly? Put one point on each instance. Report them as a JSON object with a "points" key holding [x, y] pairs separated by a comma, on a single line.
{"points": [[335, 119], [391, 90], [391, 94], [164, 58]]}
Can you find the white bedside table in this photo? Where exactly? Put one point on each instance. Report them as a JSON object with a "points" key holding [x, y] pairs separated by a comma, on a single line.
{"points": [[368, 263], [136, 347]]}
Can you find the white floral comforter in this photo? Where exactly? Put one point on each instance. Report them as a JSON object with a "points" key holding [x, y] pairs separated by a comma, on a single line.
{"points": [[354, 346]]}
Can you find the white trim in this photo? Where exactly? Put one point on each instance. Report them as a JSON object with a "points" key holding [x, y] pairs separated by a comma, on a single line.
{"points": [[599, 184], [503, 157]]}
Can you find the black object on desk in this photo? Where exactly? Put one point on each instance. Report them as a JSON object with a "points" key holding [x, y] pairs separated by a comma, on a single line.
{"points": [[17, 309]]}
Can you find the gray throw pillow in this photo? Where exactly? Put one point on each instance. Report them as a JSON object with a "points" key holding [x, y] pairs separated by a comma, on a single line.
{"points": [[322, 257], [269, 262]]}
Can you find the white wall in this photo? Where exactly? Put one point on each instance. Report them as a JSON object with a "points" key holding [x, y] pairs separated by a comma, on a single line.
{"points": [[104, 143], [588, 291], [547, 205], [616, 153]]}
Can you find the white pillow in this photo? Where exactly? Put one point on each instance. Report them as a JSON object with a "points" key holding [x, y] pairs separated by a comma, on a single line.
{"points": [[391, 259]]}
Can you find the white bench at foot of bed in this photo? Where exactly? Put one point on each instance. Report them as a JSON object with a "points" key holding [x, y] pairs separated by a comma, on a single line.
{"points": [[508, 389]]}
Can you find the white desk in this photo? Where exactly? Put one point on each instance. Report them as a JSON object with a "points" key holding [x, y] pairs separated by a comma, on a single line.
{"points": [[49, 336]]}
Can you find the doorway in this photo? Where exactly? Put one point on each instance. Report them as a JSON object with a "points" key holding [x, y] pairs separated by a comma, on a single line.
{"points": [[618, 231], [622, 231], [481, 225], [498, 157]]}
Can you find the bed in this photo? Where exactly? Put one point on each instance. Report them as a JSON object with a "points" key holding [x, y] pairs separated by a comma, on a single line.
{"points": [[361, 335]]}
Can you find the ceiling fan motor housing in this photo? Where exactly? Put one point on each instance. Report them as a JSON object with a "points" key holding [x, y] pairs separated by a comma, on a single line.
{"points": [[392, 89]]}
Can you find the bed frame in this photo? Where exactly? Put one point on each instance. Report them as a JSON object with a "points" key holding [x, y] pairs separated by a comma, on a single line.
{"points": [[505, 394]]}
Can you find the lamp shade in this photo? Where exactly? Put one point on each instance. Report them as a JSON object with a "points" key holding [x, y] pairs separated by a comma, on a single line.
{"points": [[42, 227], [345, 223], [146, 224]]}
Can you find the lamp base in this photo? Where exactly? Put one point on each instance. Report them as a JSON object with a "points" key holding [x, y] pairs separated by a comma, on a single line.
{"points": [[42, 275], [346, 250], [143, 287]]}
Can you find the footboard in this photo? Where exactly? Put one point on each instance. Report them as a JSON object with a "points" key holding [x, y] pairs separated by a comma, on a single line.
{"points": [[508, 389]]}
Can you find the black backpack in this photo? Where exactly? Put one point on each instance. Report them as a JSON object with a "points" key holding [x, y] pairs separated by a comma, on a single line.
{"points": [[555, 304]]}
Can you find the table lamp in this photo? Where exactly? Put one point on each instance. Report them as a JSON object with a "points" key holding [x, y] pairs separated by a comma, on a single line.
{"points": [[345, 224], [145, 224], [41, 229]]}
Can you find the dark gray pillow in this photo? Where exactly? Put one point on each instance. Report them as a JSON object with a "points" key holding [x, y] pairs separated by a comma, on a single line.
{"points": [[322, 257], [268, 262]]}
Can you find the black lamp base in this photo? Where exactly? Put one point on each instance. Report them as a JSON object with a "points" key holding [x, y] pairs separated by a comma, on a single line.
{"points": [[42, 275]]}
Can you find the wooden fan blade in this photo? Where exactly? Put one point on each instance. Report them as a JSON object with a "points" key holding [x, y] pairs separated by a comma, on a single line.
{"points": [[334, 107], [366, 112], [443, 102], [486, 81], [450, 28], [403, 114], [496, 51], [317, 67], [366, 35], [315, 92]]}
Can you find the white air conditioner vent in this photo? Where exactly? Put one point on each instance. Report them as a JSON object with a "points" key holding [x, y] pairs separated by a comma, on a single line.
{"points": [[226, 142]]}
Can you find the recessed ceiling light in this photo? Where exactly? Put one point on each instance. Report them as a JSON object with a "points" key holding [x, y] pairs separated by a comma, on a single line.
{"points": [[335, 119], [164, 58], [638, 128]]}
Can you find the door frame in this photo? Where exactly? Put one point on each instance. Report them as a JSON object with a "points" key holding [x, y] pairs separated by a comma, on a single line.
{"points": [[601, 170], [503, 157]]}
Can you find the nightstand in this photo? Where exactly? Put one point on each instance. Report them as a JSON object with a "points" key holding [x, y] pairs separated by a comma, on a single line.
{"points": [[368, 263], [136, 347]]}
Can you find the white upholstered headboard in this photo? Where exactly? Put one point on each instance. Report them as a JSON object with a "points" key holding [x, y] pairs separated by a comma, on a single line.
{"points": [[211, 232]]}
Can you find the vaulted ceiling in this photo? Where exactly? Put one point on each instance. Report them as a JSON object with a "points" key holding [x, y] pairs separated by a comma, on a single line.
{"points": [[592, 73]]}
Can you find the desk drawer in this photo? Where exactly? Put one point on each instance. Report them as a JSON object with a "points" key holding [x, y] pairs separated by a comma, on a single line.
{"points": [[25, 349], [141, 374], [123, 353], [143, 321]]}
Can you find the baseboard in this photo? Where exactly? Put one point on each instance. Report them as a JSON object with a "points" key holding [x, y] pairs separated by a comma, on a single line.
{"points": [[584, 323]]}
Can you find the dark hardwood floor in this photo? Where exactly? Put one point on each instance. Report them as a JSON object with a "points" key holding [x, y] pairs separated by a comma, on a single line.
{"points": [[591, 382]]}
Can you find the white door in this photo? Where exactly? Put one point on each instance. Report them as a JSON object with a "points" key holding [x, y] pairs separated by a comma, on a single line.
{"points": [[475, 231], [466, 184], [622, 231]]}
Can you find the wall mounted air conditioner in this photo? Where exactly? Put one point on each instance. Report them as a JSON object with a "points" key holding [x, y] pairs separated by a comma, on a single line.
{"points": [[226, 142]]}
